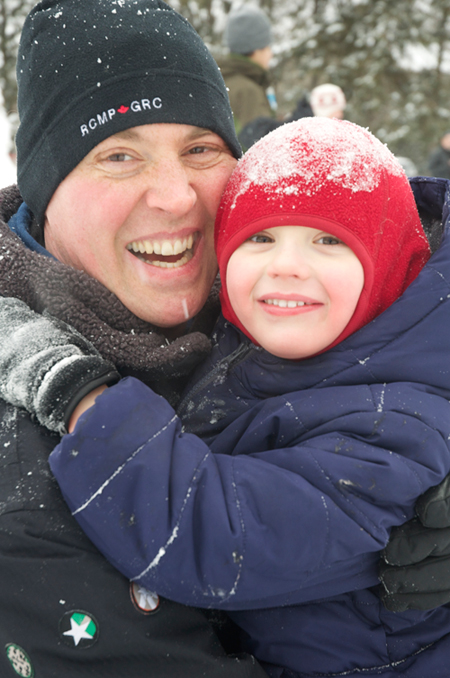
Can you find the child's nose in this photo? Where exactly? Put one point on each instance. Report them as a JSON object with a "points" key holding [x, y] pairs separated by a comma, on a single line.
{"points": [[290, 261]]}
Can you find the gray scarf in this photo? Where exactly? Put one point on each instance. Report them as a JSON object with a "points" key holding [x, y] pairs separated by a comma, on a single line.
{"points": [[134, 346]]}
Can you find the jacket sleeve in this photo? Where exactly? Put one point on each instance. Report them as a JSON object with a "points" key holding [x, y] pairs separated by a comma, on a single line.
{"points": [[277, 521]]}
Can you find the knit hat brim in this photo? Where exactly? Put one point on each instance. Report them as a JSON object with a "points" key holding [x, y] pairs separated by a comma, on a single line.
{"points": [[89, 69]]}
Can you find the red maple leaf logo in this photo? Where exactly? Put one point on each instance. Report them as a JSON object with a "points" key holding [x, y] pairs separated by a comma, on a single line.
{"points": [[123, 109]]}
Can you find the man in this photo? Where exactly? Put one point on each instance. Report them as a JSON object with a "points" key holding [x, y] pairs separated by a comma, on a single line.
{"points": [[65, 610], [125, 146], [246, 69]]}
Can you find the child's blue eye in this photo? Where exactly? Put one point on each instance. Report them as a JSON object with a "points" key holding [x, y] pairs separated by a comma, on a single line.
{"points": [[329, 240], [260, 238]]}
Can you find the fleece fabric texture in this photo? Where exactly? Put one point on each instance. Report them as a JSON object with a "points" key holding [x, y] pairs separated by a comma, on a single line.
{"points": [[277, 512], [134, 346], [87, 69], [334, 176]]}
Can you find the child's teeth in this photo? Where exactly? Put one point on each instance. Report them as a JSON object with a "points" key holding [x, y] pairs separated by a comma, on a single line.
{"points": [[283, 303]]}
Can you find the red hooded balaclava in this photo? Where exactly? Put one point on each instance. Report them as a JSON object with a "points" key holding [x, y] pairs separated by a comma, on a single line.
{"points": [[334, 176]]}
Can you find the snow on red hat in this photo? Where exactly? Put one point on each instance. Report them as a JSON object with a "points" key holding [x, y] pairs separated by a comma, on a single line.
{"points": [[337, 177]]}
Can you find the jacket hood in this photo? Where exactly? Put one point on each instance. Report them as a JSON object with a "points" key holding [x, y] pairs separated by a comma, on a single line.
{"points": [[409, 342], [335, 176]]}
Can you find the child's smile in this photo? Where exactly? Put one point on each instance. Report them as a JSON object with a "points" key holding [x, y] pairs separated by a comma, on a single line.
{"points": [[290, 304], [294, 289]]}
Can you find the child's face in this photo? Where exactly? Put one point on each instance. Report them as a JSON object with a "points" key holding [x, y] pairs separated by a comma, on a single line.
{"points": [[294, 289]]}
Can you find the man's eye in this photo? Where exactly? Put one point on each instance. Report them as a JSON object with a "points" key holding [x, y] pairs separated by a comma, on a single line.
{"points": [[203, 156], [119, 157]]}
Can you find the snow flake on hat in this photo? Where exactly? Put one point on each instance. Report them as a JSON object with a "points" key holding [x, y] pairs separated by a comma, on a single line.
{"points": [[316, 150]]}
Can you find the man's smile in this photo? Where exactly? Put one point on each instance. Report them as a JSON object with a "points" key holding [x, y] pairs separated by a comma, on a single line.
{"points": [[165, 253]]}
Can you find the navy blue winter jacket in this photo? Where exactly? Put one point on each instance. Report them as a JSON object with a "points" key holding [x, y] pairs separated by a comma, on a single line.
{"points": [[278, 514]]}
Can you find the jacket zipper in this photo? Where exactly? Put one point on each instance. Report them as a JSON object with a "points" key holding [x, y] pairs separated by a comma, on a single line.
{"points": [[223, 367]]}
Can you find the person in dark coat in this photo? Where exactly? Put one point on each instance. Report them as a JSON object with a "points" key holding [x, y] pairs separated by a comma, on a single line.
{"points": [[155, 141], [245, 69], [439, 162], [330, 419]]}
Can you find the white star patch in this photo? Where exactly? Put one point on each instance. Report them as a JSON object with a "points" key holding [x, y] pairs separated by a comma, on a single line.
{"points": [[83, 630], [78, 631]]}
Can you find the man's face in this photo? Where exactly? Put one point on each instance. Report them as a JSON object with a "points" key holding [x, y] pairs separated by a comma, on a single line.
{"points": [[294, 289], [138, 214]]}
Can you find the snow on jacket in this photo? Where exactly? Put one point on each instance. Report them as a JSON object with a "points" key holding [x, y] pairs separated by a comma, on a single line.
{"points": [[65, 611], [309, 465]]}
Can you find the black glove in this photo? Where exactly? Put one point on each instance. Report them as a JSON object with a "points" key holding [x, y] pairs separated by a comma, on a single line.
{"points": [[415, 566], [433, 507], [46, 367]]}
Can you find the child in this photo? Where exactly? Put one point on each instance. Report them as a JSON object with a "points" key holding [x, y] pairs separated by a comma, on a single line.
{"points": [[323, 411]]}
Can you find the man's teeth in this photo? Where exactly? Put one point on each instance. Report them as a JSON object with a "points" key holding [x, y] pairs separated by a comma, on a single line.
{"points": [[169, 264], [165, 248], [284, 303]]}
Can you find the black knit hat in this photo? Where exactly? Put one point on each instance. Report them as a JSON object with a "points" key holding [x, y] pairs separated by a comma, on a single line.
{"points": [[88, 69]]}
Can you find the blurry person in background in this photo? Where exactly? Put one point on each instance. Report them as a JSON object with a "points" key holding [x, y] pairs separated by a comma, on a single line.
{"points": [[439, 162], [328, 101], [248, 36]]}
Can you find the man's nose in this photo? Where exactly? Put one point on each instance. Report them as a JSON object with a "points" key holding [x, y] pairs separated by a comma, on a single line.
{"points": [[169, 188]]}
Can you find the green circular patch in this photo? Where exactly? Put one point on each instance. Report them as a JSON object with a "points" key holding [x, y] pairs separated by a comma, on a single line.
{"points": [[19, 660]]}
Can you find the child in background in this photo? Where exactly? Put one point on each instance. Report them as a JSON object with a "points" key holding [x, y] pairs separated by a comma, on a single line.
{"points": [[317, 412]]}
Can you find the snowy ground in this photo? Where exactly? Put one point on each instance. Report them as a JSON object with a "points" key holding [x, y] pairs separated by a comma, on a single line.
{"points": [[7, 166]]}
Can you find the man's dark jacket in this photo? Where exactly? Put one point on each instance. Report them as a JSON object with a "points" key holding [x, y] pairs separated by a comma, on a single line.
{"points": [[65, 611]]}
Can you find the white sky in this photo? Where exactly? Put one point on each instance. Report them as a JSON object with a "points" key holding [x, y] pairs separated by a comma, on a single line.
{"points": [[7, 166]]}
